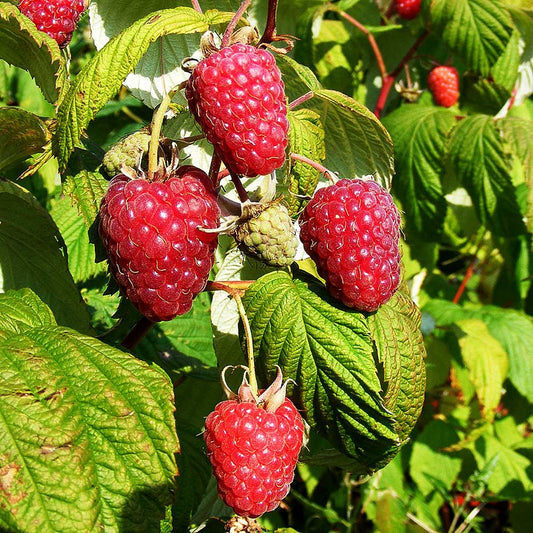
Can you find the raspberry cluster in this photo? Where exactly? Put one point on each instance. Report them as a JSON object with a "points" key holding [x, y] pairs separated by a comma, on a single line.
{"points": [[352, 230], [152, 231], [253, 453], [57, 18], [238, 98]]}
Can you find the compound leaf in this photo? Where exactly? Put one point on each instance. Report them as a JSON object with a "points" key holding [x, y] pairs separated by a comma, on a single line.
{"points": [[327, 350]]}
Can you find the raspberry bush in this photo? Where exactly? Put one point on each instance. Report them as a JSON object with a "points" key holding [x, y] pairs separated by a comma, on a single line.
{"points": [[322, 205]]}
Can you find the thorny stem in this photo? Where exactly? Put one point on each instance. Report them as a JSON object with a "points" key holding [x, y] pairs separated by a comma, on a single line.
{"points": [[371, 40], [249, 344], [321, 168], [241, 191], [157, 123], [137, 334], [270, 28], [301, 100], [233, 23], [196, 6], [389, 79]]}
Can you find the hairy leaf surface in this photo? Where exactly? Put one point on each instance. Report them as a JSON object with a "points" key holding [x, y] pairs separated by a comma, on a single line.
{"points": [[483, 167], [327, 350], [101, 78], [477, 30], [419, 134], [87, 435], [396, 331]]}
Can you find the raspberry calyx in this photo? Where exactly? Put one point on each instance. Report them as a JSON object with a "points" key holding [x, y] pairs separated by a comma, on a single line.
{"points": [[253, 445]]}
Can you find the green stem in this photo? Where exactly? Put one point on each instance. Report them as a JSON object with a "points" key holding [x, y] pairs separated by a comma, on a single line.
{"points": [[157, 123], [249, 345]]}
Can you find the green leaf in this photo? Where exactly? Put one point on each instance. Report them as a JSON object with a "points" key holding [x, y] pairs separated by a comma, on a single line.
{"points": [[477, 30], [24, 46], [101, 78], [524, 23], [32, 254], [510, 479], [513, 329], [306, 137], [22, 135], [85, 186], [357, 144], [479, 160], [22, 310], [87, 436], [505, 70], [160, 67], [429, 460], [486, 360], [327, 351], [400, 346], [298, 78], [81, 254], [419, 134]]}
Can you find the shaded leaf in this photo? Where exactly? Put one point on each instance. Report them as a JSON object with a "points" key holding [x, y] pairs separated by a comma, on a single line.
{"points": [[357, 144], [22, 135], [32, 254], [306, 138], [395, 328]]}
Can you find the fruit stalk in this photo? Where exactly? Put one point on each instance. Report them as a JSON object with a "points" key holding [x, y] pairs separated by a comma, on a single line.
{"points": [[270, 28], [249, 345], [138, 333]]}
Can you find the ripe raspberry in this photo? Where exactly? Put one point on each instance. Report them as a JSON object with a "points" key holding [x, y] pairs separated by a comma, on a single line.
{"points": [[57, 18], [352, 230], [253, 452], [157, 253], [408, 9], [267, 233], [443, 83], [238, 98], [126, 152]]}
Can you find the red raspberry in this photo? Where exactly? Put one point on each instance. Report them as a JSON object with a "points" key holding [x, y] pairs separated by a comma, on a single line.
{"points": [[443, 83], [408, 9], [157, 253], [238, 98], [57, 18], [352, 230], [253, 453]]}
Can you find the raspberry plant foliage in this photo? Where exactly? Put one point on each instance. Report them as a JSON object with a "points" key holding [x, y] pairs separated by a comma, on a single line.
{"points": [[461, 178]]}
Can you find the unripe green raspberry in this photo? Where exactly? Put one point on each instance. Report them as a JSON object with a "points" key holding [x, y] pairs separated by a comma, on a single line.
{"points": [[126, 152], [267, 233]]}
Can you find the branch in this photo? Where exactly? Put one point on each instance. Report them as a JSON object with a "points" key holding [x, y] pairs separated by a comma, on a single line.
{"points": [[270, 29], [233, 23]]}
